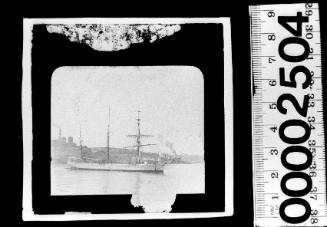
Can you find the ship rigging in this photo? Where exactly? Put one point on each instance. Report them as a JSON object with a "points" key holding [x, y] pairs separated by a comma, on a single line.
{"points": [[139, 166]]}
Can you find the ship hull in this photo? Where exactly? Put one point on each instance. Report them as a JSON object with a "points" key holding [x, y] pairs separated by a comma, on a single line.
{"points": [[157, 168]]}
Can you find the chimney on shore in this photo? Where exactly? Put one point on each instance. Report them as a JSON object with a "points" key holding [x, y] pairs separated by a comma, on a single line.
{"points": [[59, 133]]}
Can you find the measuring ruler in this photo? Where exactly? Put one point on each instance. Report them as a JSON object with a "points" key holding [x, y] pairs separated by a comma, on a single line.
{"points": [[287, 116]]}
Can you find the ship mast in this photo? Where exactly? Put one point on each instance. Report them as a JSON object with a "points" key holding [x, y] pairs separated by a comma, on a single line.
{"points": [[80, 142], [138, 138], [108, 134]]}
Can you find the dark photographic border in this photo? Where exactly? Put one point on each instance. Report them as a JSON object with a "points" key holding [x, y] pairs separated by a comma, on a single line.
{"points": [[199, 45]]}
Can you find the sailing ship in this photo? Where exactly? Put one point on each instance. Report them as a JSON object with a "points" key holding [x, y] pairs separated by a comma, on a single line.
{"points": [[137, 165]]}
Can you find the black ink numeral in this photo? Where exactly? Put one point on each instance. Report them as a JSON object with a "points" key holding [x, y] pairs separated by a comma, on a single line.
{"points": [[301, 110], [293, 73], [298, 19]]}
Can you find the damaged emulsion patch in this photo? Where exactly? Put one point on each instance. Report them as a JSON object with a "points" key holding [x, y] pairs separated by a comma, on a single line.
{"points": [[154, 202], [113, 37]]}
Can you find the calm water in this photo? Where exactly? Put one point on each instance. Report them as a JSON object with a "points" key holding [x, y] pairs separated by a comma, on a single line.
{"points": [[155, 192], [181, 178]]}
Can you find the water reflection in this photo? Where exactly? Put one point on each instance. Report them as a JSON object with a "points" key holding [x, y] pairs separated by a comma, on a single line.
{"points": [[155, 192]]}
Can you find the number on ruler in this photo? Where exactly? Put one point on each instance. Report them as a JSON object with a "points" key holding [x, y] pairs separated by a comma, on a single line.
{"points": [[298, 19]]}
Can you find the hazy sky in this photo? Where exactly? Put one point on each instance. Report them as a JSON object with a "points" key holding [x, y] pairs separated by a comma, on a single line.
{"points": [[170, 99]]}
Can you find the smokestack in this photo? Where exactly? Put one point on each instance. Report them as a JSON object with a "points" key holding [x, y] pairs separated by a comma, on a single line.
{"points": [[171, 147]]}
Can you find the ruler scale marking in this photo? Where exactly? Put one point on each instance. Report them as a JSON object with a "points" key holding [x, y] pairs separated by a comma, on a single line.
{"points": [[267, 146]]}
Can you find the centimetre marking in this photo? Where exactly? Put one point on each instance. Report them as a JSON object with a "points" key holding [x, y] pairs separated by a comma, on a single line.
{"points": [[259, 118]]}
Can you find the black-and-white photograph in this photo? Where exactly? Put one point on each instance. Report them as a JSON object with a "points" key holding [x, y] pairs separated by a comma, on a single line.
{"points": [[117, 122], [213, 116], [139, 128]]}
